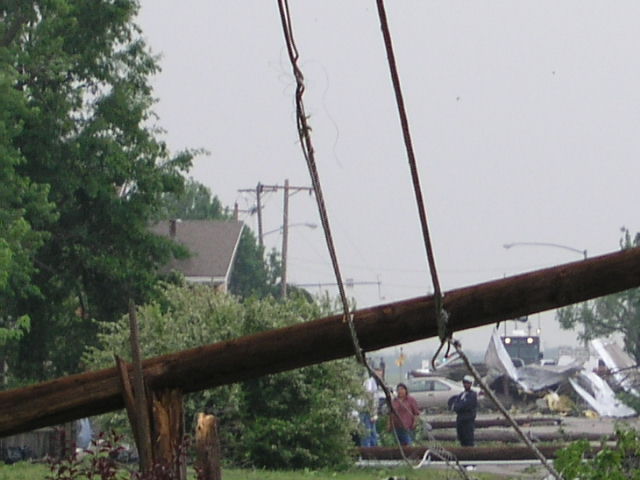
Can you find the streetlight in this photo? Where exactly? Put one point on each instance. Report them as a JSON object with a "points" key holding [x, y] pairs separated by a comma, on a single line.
{"points": [[281, 228], [546, 244]]}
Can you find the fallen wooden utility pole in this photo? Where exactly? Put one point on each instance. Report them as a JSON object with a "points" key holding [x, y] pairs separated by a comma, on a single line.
{"points": [[498, 422], [464, 454], [321, 340], [509, 436]]}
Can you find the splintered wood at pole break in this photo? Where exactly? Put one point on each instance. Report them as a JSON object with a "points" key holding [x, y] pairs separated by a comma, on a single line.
{"points": [[327, 338]]}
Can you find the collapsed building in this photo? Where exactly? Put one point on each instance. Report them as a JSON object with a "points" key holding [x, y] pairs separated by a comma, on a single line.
{"points": [[595, 387], [513, 369]]}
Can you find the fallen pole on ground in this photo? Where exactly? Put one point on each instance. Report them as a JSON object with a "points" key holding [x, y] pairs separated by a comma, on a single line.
{"points": [[464, 454], [321, 340], [509, 436], [498, 422]]}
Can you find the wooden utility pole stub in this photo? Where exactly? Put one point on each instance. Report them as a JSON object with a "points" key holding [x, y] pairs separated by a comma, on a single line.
{"points": [[141, 409], [208, 448], [129, 399], [168, 431]]}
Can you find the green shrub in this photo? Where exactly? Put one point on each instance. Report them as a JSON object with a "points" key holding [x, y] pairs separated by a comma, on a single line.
{"points": [[619, 462], [293, 419]]}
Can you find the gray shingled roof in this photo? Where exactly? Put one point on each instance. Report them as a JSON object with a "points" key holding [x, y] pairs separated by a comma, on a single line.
{"points": [[212, 243]]}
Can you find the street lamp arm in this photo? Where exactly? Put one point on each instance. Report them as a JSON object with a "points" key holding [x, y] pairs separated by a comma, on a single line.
{"points": [[281, 228], [546, 244]]}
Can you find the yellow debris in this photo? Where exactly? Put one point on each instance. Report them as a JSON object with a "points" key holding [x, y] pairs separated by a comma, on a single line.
{"points": [[559, 403]]}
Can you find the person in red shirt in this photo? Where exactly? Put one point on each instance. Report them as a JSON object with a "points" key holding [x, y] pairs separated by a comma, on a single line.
{"points": [[403, 415]]}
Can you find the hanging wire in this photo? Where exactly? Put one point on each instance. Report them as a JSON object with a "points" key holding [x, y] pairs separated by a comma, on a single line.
{"points": [[441, 315], [309, 156], [554, 473], [308, 152], [444, 330]]}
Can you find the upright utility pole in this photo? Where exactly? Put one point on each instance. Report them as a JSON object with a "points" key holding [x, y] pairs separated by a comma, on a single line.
{"points": [[285, 236], [259, 207], [259, 190], [288, 190]]}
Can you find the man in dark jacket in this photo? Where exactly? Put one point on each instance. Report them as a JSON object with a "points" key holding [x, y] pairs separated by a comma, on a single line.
{"points": [[465, 406]]}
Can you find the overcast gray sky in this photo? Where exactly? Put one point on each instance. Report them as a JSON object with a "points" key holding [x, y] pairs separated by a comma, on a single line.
{"points": [[525, 118]]}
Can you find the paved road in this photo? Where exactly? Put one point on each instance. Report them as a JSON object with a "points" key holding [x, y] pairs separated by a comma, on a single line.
{"points": [[533, 470]]}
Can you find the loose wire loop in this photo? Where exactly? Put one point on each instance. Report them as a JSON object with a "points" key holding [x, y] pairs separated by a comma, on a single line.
{"points": [[309, 153]]}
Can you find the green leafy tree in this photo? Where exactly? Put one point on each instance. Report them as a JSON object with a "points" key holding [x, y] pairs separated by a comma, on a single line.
{"points": [[194, 202], [618, 313], [288, 420], [81, 121], [20, 200], [251, 274]]}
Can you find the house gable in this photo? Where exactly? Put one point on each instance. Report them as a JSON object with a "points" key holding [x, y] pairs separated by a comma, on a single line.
{"points": [[212, 244]]}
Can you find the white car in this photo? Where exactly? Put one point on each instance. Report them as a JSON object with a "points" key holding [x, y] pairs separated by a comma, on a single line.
{"points": [[434, 392]]}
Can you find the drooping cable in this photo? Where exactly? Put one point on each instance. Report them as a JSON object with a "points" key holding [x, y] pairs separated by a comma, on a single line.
{"points": [[444, 331], [441, 315], [309, 156], [545, 463], [406, 133]]}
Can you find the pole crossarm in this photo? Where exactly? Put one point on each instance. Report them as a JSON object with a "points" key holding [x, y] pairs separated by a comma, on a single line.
{"points": [[275, 188], [321, 340]]}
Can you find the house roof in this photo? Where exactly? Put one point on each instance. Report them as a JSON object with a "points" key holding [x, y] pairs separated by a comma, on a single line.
{"points": [[212, 244]]}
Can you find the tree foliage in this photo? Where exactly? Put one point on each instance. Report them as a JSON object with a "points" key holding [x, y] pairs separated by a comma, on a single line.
{"points": [[19, 198], [194, 202], [618, 462], [252, 274], [79, 149], [618, 313], [289, 420]]}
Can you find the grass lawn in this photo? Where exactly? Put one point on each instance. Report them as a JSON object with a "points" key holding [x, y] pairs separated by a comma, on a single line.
{"points": [[356, 474], [23, 471], [29, 471]]}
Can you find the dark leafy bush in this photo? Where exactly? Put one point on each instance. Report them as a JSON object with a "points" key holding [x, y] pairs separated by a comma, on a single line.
{"points": [[97, 462], [100, 462]]}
